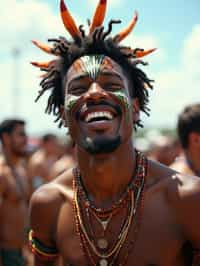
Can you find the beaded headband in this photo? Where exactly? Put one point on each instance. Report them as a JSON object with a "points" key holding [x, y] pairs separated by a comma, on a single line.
{"points": [[96, 22]]}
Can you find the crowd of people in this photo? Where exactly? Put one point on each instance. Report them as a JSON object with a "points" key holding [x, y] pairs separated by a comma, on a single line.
{"points": [[96, 199]]}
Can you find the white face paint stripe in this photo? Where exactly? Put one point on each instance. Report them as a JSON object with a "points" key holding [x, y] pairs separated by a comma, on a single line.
{"points": [[92, 65]]}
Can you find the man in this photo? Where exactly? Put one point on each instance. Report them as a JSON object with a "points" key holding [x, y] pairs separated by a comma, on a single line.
{"points": [[188, 129], [42, 160], [115, 207], [14, 192]]}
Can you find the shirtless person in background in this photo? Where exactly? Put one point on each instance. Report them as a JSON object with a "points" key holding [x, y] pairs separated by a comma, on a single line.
{"points": [[14, 192], [42, 160], [188, 128], [66, 161]]}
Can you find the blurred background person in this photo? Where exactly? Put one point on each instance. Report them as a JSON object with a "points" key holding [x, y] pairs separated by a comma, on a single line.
{"points": [[164, 149], [14, 192], [67, 159], [42, 160], [188, 128]]}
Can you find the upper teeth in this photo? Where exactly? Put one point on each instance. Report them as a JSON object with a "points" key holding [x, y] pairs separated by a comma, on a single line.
{"points": [[98, 114]]}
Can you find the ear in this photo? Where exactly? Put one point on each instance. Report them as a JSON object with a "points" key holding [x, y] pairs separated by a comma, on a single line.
{"points": [[62, 112], [136, 110]]}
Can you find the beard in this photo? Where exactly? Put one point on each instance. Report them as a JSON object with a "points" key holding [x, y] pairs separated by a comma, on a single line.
{"points": [[101, 145]]}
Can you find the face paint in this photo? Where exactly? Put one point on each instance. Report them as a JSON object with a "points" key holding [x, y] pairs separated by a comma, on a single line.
{"points": [[124, 99], [92, 65], [70, 101]]}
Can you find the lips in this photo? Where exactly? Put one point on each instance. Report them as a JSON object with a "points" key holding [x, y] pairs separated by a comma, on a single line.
{"points": [[98, 113], [98, 116]]}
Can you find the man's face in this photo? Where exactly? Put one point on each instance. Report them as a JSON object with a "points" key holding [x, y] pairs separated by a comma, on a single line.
{"points": [[18, 140], [98, 107]]}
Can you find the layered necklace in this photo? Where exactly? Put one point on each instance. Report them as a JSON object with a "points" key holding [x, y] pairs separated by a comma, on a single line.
{"points": [[98, 250]]}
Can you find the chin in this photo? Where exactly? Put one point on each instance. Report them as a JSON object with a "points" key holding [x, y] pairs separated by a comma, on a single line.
{"points": [[101, 145]]}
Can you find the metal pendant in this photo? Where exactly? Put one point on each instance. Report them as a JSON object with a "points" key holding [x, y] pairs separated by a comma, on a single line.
{"points": [[103, 262], [102, 243]]}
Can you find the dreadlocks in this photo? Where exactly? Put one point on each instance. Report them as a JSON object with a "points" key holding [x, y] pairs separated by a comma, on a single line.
{"points": [[98, 41]]}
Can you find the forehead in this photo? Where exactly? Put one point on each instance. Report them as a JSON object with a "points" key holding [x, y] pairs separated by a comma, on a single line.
{"points": [[92, 66]]}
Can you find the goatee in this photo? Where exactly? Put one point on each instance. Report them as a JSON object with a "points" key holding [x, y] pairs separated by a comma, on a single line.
{"points": [[101, 145]]}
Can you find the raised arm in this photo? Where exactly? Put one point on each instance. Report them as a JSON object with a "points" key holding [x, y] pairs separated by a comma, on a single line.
{"points": [[44, 208]]}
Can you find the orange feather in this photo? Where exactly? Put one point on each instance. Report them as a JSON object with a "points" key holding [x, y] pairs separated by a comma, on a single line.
{"points": [[42, 64], [68, 20], [139, 54], [125, 32], [99, 15], [43, 47]]}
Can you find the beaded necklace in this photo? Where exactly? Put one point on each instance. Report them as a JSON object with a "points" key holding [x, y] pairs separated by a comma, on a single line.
{"points": [[132, 197]]}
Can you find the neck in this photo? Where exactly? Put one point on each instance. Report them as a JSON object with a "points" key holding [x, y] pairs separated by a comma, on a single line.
{"points": [[106, 176], [192, 158]]}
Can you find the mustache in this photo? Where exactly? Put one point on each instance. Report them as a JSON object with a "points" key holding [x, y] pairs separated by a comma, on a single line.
{"points": [[91, 104]]}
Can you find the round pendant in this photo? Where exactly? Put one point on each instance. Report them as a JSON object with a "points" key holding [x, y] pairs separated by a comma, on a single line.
{"points": [[103, 262], [102, 243]]}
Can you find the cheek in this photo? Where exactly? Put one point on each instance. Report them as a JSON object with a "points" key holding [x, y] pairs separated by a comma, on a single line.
{"points": [[70, 102], [123, 98]]}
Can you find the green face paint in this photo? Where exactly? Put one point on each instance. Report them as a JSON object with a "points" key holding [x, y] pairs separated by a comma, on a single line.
{"points": [[70, 101], [92, 65], [121, 95]]}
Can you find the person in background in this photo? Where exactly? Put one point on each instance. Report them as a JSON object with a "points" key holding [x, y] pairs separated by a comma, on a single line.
{"points": [[15, 192], [42, 160], [67, 159], [188, 128], [164, 149]]}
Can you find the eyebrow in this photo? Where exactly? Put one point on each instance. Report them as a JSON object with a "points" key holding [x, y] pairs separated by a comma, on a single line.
{"points": [[113, 74], [103, 73], [84, 75]]}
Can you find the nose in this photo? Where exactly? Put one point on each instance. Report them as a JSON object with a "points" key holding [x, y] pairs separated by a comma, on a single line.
{"points": [[95, 92]]}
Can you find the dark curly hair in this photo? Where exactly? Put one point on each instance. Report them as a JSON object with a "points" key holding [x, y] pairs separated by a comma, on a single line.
{"points": [[188, 122], [98, 42]]}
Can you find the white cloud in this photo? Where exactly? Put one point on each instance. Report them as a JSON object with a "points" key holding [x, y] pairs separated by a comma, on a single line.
{"points": [[177, 87]]}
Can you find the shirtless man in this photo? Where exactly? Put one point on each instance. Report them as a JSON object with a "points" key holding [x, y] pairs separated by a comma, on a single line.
{"points": [[65, 162], [42, 160], [116, 207], [14, 192], [189, 134]]}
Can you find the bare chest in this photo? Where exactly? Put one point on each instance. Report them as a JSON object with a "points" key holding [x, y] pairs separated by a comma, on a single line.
{"points": [[17, 189], [153, 239]]}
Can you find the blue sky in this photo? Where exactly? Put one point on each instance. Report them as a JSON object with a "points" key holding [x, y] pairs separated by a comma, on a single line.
{"points": [[172, 26]]}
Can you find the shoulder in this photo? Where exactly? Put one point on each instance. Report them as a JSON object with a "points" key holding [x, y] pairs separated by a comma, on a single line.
{"points": [[178, 187], [182, 193], [37, 158], [45, 206], [52, 193], [63, 164], [180, 165]]}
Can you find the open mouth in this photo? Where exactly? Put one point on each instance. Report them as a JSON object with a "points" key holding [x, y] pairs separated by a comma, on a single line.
{"points": [[98, 116]]}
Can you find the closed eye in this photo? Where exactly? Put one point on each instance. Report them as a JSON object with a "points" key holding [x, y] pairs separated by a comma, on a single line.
{"points": [[112, 87], [77, 91]]}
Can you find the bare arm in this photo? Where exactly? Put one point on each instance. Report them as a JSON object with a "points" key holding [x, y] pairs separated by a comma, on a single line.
{"points": [[44, 208]]}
